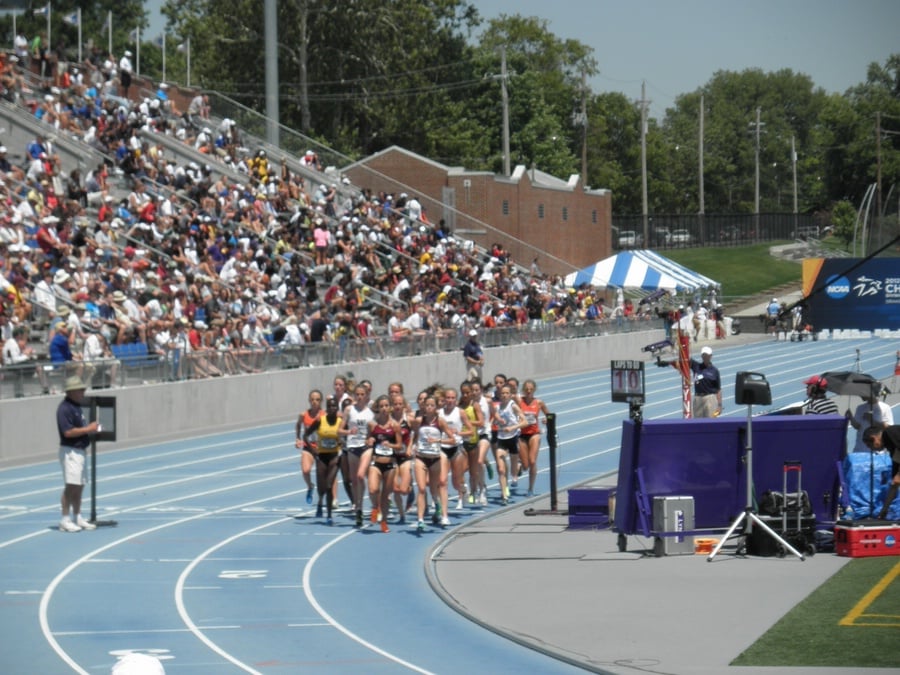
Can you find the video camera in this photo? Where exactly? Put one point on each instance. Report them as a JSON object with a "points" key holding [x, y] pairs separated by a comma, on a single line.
{"points": [[655, 347], [654, 296]]}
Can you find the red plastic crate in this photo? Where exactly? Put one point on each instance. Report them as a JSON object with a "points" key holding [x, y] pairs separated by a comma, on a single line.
{"points": [[862, 541]]}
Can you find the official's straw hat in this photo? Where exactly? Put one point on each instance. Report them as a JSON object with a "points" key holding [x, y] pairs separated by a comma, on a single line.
{"points": [[74, 383]]}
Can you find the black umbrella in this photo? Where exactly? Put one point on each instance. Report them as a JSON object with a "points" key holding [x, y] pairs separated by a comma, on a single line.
{"points": [[851, 383]]}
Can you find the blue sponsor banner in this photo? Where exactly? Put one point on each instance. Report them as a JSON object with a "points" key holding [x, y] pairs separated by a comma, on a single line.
{"points": [[868, 298]]}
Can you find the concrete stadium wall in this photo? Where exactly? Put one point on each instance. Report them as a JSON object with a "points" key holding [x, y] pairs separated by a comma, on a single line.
{"points": [[160, 412]]}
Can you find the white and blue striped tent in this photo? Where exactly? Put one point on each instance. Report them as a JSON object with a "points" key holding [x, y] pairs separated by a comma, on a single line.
{"points": [[640, 270]]}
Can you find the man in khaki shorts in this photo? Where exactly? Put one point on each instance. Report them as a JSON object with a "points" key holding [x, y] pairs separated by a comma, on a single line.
{"points": [[74, 437]]}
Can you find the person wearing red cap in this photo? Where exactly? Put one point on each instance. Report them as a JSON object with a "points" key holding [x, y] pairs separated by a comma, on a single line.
{"points": [[817, 403]]}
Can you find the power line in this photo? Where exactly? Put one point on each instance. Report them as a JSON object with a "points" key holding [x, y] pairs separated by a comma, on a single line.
{"points": [[351, 95]]}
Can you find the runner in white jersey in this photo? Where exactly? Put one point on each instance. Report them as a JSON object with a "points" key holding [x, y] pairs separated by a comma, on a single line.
{"points": [[431, 463], [356, 431], [458, 423], [484, 439], [343, 398], [509, 420]]}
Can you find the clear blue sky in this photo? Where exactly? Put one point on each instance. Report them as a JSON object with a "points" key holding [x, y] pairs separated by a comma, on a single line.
{"points": [[677, 45]]}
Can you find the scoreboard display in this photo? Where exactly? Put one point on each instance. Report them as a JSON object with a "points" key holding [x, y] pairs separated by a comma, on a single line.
{"points": [[627, 381]]}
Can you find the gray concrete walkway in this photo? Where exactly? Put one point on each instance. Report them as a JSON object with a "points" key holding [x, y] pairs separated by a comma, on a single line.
{"points": [[571, 593]]}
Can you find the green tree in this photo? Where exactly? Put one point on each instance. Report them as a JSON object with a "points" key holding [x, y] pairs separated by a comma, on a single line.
{"points": [[614, 152], [544, 84], [843, 219], [789, 106]]}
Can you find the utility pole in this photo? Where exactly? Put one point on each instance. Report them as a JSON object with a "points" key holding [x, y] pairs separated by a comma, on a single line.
{"points": [[305, 118], [878, 165], [270, 9], [584, 128], [794, 169], [702, 194], [505, 99], [756, 182], [644, 208]]}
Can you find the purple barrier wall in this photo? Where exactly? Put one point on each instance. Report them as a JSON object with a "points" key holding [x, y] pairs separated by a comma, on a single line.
{"points": [[703, 458]]}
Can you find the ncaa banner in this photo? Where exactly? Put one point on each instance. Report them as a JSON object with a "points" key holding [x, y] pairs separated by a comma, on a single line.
{"points": [[868, 298]]}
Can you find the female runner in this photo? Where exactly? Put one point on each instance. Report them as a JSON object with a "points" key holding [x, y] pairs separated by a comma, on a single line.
{"points": [[403, 456], [472, 410], [515, 463], [431, 463], [458, 428], [484, 438], [342, 396], [509, 421], [308, 447], [327, 452], [530, 438], [356, 431], [377, 462]]}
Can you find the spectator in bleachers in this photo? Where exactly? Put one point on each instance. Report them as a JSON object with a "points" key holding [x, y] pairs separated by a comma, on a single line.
{"points": [[61, 355], [98, 357], [198, 111], [125, 73]]}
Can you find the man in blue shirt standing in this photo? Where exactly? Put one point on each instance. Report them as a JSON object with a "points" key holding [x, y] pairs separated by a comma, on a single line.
{"points": [[707, 386], [74, 438], [474, 356]]}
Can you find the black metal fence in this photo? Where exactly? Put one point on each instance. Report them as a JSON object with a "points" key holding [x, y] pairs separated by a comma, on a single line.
{"points": [[681, 230]]}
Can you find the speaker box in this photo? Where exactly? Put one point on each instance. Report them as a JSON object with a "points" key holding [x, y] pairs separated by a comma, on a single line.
{"points": [[752, 389]]}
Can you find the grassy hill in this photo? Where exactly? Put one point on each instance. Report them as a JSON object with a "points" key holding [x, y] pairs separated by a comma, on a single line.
{"points": [[743, 271]]}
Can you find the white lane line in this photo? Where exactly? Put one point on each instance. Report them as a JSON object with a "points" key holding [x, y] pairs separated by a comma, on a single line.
{"points": [[196, 477], [80, 633], [138, 509], [184, 446], [25, 537], [180, 589], [307, 573], [51, 588], [169, 468]]}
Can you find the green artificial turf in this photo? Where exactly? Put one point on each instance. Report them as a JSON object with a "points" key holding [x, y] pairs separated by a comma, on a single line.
{"points": [[811, 634]]}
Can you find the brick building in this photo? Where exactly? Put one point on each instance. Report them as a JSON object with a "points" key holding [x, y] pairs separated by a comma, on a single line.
{"points": [[530, 213]]}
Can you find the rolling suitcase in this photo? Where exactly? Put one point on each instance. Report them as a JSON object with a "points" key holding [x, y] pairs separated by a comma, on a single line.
{"points": [[789, 514]]}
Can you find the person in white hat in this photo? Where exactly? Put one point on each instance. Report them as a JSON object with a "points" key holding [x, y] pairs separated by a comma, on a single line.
{"points": [[125, 71], [707, 386], [74, 438], [474, 356]]}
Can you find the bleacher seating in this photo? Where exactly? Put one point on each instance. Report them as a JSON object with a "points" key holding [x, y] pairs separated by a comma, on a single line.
{"points": [[135, 355]]}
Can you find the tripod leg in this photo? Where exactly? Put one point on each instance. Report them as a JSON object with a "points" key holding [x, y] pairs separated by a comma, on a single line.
{"points": [[772, 533], [728, 534]]}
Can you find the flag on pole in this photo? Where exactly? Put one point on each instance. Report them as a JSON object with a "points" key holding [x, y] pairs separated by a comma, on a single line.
{"points": [[71, 19], [43, 11], [106, 24], [183, 47], [159, 40], [133, 35]]}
